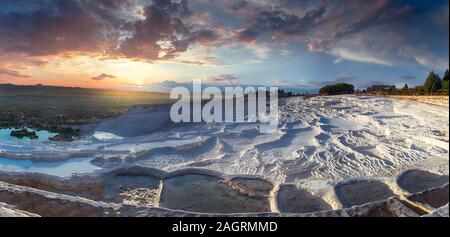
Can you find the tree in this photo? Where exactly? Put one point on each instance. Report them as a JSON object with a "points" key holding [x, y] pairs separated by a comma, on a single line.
{"points": [[445, 86], [282, 93], [433, 83], [405, 89], [446, 76], [337, 89], [445, 81]]}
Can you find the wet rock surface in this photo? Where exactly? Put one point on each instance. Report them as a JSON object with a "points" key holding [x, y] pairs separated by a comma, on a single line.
{"points": [[392, 207], [21, 133], [419, 180], [294, 200], [126, 186], [87, 187], [24, 201], [61, 138], [333, 213], [433, 198], [51, 204], [202, 193], [250, 187], [359, 192], [139, 191]]}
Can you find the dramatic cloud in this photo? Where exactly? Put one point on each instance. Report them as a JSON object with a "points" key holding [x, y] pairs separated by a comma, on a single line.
{"points": [[338, 27], [107, 27], [258, 40], [102, 77], [163, 29], [324, 23], [281, 25], [164, 33], [62, 27]]}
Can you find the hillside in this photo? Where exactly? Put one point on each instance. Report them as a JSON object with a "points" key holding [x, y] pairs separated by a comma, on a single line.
{"points": [[42, 90]]}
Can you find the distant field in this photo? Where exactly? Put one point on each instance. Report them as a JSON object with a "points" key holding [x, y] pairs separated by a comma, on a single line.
{"points": [[32, 102], [13, 97], [41, 105]]}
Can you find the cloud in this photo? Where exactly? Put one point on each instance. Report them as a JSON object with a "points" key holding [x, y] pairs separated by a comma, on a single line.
{"points": [[280, 24], [359, 54], [408, 78], [12, 73], [167, 86], [385, 33], [202, 61], [163, 33], [239, 5], [102, 77], [339, 60], [427, 59], [346, 79], [143, 30], [223, 79], [64, 26], [388, 32], [220, 81], [296, 84]]}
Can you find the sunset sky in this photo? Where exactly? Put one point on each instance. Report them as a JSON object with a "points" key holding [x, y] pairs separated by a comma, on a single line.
{"points": [[159, 44]]}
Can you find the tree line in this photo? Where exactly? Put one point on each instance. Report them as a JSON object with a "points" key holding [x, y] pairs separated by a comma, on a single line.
{"points": [[337, 89], [433, 85]]}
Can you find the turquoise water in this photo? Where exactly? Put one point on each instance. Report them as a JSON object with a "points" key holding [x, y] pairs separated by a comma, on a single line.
{"points": [[5, 135], [59, 168]]}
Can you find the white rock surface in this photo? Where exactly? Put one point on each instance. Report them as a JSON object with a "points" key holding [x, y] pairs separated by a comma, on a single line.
{"points": [[9, 211], [441, 212], [320, 139]]}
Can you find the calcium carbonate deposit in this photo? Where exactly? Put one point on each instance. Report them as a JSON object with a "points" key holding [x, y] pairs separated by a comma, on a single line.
{"points": [[320, 139]]}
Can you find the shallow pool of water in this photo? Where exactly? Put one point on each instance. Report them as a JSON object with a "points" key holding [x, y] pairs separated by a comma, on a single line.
{"points": [[201, 193], [59, 168], [5, 135]]}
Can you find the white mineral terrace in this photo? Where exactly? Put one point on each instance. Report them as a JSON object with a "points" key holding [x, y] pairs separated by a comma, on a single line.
{"points": [[320, 140]]}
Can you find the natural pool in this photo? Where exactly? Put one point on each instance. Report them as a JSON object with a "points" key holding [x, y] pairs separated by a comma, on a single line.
{"points": [[58, 168], [43, 135]]}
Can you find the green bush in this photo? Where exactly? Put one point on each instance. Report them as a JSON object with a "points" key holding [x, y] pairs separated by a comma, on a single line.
{"points": [[337, 89], [420, 90], [405, 90]]}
